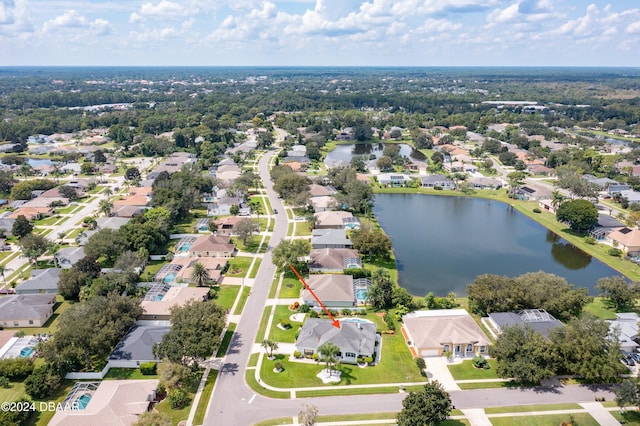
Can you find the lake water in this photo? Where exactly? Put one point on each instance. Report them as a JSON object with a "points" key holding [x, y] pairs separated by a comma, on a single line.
{"points": [[342, 154], [442, 243]]}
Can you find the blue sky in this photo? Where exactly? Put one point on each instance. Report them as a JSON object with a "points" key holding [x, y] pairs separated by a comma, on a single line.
{"points": [[320, 32]]}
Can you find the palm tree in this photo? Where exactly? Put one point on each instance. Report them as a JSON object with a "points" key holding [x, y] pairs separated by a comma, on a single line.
{"points": [[3, 270], [108, 191], [269, 345], [106, 206], [556, 199], [199, 275], [328, 352]]}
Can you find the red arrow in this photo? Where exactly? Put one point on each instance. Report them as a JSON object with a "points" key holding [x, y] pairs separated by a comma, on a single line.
{"points": [[335, 322]]}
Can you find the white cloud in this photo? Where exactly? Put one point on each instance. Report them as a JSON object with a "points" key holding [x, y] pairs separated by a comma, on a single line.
{"points": [[633, 28], [135, 17], [170, 9], [72, 20], [15, 18], [156, 34]]}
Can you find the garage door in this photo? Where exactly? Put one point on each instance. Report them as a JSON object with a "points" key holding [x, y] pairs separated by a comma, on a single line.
{"points": [[430, 352]]}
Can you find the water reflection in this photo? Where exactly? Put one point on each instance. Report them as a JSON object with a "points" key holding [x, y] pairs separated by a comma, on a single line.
{"points": [[566, 254]]}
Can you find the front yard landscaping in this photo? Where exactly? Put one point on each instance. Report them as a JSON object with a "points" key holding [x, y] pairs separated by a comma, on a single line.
{"points": [[226, 295], [238, 266], [290, 288], [281, 316], [396, 366], [466, 370]]}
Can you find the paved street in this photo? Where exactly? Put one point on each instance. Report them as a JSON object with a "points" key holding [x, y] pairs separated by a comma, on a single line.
{"points": [[234, 403]]}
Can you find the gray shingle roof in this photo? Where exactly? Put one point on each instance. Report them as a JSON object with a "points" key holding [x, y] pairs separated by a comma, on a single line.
{"points": [[24, 306], [350, 337], [41, 279], [138, 343]]}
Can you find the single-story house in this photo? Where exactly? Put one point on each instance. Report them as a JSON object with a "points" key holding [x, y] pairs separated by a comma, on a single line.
{"points": [[41, 281], [31, 212], [161, 297], [133, 200], [532, 192], [538, 319], [539, 169], [613, 188], [7, 225], [127, 212], [333, 260], [436, 332], [393, 179], [627, 239], [460, 166], [222, 207], [330, 238], [335, 291], [112, 222], [437, 181], [69, 256], [321, 190], [226, 224], [603, 183], [136, 346], [26, 310], [482, 182], [324, 203], [113, 403], [331, 219], [625, 326], [353, 339], [212, 246]]}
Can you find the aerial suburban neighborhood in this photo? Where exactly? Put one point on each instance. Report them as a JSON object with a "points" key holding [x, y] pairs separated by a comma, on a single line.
{"points": [[202, 248]]}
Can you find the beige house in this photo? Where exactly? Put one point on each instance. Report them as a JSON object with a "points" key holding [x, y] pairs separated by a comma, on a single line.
{"points": [[335, 291], [113, 403], [627, 239], [432, 333], [26, 310], [212, 246], [331, 219], [158, 305]]}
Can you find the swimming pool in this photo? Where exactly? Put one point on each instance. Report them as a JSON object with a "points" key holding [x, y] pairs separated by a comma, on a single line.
{"points": [[362, 294], [356, 320], [27, 351], [158, 297], [184, 247], [170, 277], [83, 400]]}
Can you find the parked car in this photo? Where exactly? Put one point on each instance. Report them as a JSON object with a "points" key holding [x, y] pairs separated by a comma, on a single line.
{"points": [[275, 211], [629, 360], [636, 356]]}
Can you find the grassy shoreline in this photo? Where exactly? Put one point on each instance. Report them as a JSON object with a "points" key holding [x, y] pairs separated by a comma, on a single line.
{"points": [[548, 220]]}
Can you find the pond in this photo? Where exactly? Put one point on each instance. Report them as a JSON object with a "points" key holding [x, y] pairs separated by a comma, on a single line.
{"points": [[442, 243], [342, 154]]}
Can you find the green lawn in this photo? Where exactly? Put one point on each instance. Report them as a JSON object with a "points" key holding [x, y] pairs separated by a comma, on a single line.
{"points": [[303, 229], [581, 419], [263, 324], [179, 415], [251, 247], [487, 385], [238, 266], [243, 300], [253, 384], [276, 333], [13, 393], [226, 295], [66, 210], [529, 408], [291, 287], [629, 417], [347, 391], [127, 374], [47, 221], [256, 266], [274, 286], [153, 266], [601, 308], [466, 371], [354, 417], [253, 359], [204, 397], [226, 340], [397, 366]]}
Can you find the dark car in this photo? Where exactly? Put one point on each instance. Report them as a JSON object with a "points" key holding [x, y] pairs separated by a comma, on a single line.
{"points": [[629, 360], [275, 211]]}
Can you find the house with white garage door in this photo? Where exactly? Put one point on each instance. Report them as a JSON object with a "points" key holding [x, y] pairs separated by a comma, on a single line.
{"points": [[435, 332]]}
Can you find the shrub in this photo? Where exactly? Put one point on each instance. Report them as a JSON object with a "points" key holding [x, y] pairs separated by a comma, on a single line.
{"points": [[480, 362], [420, 363], [42, 382], [368, 359], [16, 368], [285, 323], [388, 319], [590, 240], [615, 252], [19, 334], [537, 210], [4, 382], [346, 312], [304, 308], [148, 368], [177, 398], [314, 314], [315, 356], [278, 366], [161, 392], [297, 354]]}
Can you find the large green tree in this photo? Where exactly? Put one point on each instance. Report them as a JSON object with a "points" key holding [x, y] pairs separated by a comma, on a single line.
{"points": [[381, 292], [195, 332], [21, 226], [621, 293], [33, 246], [524, 355], [371, 242], [107, 243], [245, 228], [580, 215], [428, 406], [88, 331], [288, 252]]}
